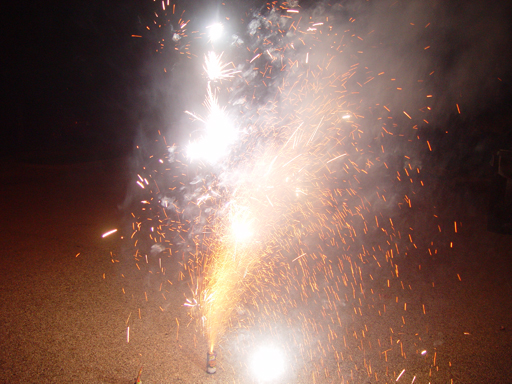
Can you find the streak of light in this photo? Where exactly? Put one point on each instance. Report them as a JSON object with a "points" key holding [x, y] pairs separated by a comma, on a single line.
{"points": [[108, 233]]}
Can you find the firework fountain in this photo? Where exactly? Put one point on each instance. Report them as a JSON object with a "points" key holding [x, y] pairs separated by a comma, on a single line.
{"points": [[286, 210]]}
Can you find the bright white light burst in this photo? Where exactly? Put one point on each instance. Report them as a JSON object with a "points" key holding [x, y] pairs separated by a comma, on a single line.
{"points": [[267, 363], [215, 31], [219, 133], [215, 69], [241, 230]]}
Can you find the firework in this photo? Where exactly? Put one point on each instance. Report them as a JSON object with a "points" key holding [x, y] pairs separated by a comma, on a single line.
{"points": [[289, 219], [211, 362]]}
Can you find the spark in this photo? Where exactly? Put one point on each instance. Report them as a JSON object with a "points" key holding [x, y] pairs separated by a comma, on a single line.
{"points": [[337, 157], [255, 57], [109, 233]]}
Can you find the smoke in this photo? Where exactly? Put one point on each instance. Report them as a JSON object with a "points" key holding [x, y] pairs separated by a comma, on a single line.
{"points": [[456, 51], [425, 62], [423, 53]]}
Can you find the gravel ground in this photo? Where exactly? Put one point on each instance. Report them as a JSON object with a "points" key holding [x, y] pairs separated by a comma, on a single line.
{"points": [[68, 298]]}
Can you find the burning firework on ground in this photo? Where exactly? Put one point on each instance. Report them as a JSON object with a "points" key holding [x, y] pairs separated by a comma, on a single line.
{"points": [[287, 210]]}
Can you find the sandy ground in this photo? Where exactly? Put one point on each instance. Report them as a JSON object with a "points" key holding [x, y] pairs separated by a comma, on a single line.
{"points": [[67, 298]]}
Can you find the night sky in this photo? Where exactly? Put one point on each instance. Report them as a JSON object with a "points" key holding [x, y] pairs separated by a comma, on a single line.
{"points": [[73, 75]]}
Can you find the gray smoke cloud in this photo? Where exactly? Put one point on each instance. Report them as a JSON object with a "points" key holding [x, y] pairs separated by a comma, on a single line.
{"points": [[457, 51]]}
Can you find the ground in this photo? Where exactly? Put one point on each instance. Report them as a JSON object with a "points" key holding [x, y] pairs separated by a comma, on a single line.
{"points": [[67, 299]]}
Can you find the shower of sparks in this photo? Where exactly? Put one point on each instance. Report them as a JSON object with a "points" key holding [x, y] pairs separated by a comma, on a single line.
{"points": [[288, 210], [215, 69]]}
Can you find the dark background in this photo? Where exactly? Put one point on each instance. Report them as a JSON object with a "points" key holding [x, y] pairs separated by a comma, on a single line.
{"points": [[74, 78], [71, 75]]}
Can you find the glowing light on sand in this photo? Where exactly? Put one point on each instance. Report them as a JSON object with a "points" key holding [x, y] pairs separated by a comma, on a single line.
{"points": [[267, 363]]}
